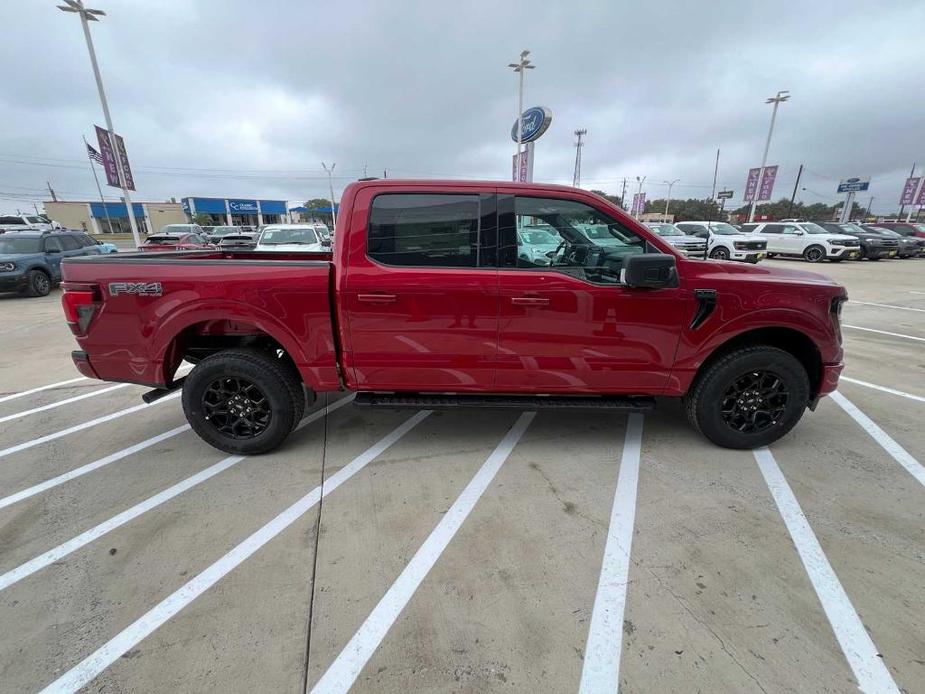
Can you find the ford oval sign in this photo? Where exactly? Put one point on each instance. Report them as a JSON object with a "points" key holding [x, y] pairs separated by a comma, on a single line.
{"points": [[535, 122]]}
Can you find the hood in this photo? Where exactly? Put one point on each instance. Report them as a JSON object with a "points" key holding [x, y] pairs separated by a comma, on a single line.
{"points": [[741, 237], [682, 240], [830, 237], [771, 274]]}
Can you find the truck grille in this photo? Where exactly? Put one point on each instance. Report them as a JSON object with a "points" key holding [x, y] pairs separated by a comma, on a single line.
{"points": [[751, 245]]}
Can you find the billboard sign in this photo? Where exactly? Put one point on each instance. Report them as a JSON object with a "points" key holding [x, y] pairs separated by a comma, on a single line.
{"points": [[536, 121], [767, 183], [725, 195], [920, 200], [751, 184], [122, 160], [853, 185], [912, 183], [109, 157], [243, 206]]}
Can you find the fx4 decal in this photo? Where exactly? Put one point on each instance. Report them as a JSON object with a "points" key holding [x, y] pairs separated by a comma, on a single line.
{"points": [[139, 288]]}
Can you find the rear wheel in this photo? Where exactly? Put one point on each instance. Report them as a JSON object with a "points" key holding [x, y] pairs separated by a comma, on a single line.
{"points": [[37, 283], [748, 398], [814, 254], [243, 401]]}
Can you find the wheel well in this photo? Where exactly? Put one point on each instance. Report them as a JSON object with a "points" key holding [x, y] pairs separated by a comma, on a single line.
{"points": [[793, 341], [200, 340]]}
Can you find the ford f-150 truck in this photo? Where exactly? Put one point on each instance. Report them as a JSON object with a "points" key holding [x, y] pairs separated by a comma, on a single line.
{"points": [[428, 301]]}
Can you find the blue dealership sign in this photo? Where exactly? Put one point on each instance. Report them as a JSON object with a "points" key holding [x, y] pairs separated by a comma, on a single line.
{"points": [[242, 206], [853, 185], [535, 122]]}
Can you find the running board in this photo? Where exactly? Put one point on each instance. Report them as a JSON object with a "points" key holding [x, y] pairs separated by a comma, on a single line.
{"points": [[427, 401]]}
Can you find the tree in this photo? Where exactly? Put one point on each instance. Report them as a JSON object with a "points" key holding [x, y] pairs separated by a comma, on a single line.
{"points": [[205, 220], [690, 209], [615, 199], [315, 207]]}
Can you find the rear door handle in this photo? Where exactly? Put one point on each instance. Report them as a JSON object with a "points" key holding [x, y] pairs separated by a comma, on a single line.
{"points": [[529, 301], [377, 298]]}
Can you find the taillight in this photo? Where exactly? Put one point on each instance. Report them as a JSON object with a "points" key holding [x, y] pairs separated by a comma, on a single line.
{"points": [[80, 302]]}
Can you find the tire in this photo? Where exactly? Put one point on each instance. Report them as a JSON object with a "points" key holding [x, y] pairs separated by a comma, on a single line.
{"points": [[869, 258], [719, 253], [835, 260], [245, 378], [714, 390], [814, 254], [38, 283]]}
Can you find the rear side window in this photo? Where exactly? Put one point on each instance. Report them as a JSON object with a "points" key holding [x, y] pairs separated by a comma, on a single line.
{"points": [[53, 243], [85, 240], [771, 228], [748, 227], [70, 243], [19, 220], [424, 230]]}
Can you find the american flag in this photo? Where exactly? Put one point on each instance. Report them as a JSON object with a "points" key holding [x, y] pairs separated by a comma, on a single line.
{"points": [[94, 155]]}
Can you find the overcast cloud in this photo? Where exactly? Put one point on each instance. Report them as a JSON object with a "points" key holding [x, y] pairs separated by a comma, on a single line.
{"points": [[237, 98]]}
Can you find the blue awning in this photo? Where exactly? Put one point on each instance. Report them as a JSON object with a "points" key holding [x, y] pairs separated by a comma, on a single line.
{"points": [[115, 209]]}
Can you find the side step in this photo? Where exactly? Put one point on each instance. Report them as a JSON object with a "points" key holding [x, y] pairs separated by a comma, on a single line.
{"points": [[435, 401]]}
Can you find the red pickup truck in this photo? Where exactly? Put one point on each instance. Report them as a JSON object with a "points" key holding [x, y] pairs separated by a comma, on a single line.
{"points": [[453, 294]]}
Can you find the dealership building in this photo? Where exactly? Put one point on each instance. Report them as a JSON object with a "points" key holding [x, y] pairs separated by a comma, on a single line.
{"points": [[112, 217], [236, 211]]}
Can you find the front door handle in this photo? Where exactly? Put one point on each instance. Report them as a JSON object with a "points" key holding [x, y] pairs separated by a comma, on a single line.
{"points": [[377, 298], [529, 301]]}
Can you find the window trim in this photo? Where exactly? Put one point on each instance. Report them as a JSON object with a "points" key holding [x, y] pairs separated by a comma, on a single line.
{"points": [[479, 197]]}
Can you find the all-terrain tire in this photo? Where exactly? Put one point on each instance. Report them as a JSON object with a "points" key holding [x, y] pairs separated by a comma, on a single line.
{"points": [[38, 283]]}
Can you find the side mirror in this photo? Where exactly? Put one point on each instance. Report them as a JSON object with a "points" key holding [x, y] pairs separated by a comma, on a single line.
{"points": [[648, 270], [796, 233]]}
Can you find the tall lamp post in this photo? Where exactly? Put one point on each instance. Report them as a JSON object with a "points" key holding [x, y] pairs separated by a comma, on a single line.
{"points": [[668, 201], [639, 209], [330, 173], [519, 68], [777, 101], [88, 15]]}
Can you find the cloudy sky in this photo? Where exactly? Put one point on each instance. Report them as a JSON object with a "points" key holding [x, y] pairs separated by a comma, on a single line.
{"points": [[239, 98]]}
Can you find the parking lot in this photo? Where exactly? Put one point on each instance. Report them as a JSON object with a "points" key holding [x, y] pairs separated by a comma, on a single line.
{"points": [[466, 551]]}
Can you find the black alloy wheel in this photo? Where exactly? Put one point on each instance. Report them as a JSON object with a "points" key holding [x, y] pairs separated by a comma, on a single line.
{"points": [[755, 402], [236, 408]]}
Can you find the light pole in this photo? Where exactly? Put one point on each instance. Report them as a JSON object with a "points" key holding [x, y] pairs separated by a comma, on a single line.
{"points": [[777, 101], [519, 68], [330, 173], [576, 177], [88, 15], [668, 201]]}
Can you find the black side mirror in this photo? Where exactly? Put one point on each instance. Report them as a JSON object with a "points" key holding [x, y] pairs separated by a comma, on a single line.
{"points": [[648, 270]]}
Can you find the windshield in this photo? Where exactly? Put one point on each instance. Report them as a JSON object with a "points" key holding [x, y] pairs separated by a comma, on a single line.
{"points": [[602, 235], [298, 235], [666, 230], [13, 246], [849, 228], [222, 231], [37, 220], [161, 239], [538, 237], [175, 229], [723, 229]]}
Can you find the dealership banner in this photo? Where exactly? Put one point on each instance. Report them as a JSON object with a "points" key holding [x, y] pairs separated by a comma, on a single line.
{"points": [[109, 157], [767, 183], [639, 203], [909, 189], [751, 184], [920, 200], [122, 159]]}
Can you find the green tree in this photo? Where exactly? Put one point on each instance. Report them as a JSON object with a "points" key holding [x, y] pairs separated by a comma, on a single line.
{"points": [[314, 207], [683, 210], [615, 199]]}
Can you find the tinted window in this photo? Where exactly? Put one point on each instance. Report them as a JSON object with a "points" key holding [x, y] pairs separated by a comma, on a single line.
{"points": [[769, 228], [424, 229], [11, 244], [53, 243], [85, 240], [19, 220], [70, 243], [686, 228], [576, 239], [748, 228]]}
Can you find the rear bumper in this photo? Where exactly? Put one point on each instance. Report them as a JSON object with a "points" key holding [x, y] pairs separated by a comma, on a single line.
{"points": [[82, 362]]}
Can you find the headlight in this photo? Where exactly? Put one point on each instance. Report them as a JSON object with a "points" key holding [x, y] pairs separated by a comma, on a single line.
{"points": [[831, 243], [7, 267], [738, 245]]}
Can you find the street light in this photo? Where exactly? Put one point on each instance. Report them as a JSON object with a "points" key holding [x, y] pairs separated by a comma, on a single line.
{"points": [[777, 101], [330, 173], [639, 207], [519, 68], [88, 15], [670, 185]]}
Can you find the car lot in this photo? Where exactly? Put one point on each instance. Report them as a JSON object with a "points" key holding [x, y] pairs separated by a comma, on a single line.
{"points": [[463, 551]]}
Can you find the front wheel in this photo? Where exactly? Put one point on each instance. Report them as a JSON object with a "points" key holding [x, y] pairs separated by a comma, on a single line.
{"points": [[814, 254], [719, 253], [37, 283], [748, 398], [243, 401]]}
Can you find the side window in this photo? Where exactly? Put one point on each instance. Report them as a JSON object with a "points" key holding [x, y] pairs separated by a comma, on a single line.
{"points": [[772, 229], [749, 228], [567, 236], [424, 230], [788, 229], [70, 243], [53, 243], [85, 240]]}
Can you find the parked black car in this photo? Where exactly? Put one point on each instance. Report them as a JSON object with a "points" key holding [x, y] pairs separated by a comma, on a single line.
{"points": [[874, 245], [238, 242], [909, 246]]}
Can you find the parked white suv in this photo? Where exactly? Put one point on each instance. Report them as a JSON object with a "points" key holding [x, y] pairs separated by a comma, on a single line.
{"points": [[724, 242], [806, 240], [292, 237]]}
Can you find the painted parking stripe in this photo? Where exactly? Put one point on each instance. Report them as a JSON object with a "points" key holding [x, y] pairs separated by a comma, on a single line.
{"points": [[887, 442], [86, 425], [130, 514], [342, 673], [884, 389], [91, 666], [884, 332], [601, 669], [900, 308], [862, 655], [59, 384], [66, 401]]}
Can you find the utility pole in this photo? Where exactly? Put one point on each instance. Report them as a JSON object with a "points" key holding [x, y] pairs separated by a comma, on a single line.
{"points": [[86, 16], [330, 173], [52, 191], [576, 177], [902, 207], [777, 101], [623, 194], [520, 68], [715, 172], [668, 201], [794, 194]]}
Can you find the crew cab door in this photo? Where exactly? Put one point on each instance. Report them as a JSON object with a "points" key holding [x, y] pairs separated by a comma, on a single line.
{"points": [[54, 253], [420, 298], [569, 325]]}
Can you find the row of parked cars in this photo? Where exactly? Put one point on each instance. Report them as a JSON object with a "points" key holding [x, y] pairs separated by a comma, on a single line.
{"points": [[313, 236]]}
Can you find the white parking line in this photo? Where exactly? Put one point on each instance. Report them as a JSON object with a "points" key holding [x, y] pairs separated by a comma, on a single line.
{"points": [[901, 308], [884, 332], [342, 673], [897, 452], [66, 401], [862, 655], [91, 666], [24, 393], [884, 389], [152, 502], [601, 669], [86, 425]]}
